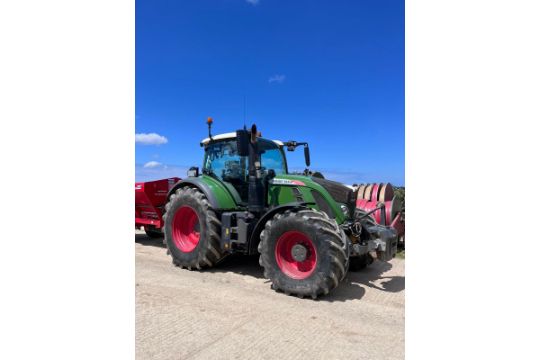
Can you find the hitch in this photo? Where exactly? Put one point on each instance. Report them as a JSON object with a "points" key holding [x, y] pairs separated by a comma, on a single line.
{"points": [[381, 242], [384, 242]]}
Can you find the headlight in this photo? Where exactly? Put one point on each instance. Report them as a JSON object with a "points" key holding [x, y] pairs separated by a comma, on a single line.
{"points": [[345, 210]]}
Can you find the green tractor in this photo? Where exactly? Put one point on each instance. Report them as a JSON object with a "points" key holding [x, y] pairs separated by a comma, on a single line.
{"points": [[305, 228]]}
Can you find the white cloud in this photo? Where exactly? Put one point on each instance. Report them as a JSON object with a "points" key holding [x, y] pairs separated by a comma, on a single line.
{"points": [[152, 164], [276, 78], [253, 2], [150, 139], [144, 173]]}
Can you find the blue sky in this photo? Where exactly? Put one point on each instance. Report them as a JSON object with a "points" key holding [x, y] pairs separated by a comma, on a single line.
{"points": [[327, 72]]}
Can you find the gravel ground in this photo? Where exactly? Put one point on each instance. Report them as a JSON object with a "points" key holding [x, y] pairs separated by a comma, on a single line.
{"points": [[230, 312]]}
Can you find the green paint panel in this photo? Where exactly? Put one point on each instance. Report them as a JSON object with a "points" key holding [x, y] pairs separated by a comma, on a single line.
{"points": [[282, 194], [277, 194], [223, 196]]}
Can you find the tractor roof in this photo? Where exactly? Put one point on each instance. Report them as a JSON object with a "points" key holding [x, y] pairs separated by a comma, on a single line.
{"points": [[231, 135]]}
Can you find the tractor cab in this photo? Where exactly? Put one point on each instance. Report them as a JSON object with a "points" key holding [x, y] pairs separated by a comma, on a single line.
{"points": [[223, 161]]}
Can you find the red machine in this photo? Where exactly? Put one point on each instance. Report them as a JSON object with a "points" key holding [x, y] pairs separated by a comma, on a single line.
{"points": [[150, 198], [372, 196]]}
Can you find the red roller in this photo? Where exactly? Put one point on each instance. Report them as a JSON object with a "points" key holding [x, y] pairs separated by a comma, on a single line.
{"points": [[389, 210], [386, 193], [370, 205], [367, 206], [361, 203], [377, 215], [396, 207], [367, 192], [375, 192], [361, 190]]}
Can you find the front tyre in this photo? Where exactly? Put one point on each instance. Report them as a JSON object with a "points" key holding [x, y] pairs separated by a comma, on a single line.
{"points": [[192, 230], [303, 253]]}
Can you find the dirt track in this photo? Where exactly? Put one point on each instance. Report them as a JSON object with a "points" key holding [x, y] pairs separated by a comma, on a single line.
{"points": [[230, 312]]}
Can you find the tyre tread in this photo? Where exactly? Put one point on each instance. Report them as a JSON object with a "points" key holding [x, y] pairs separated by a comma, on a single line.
{"points": [[212, 254], [329, 232]]}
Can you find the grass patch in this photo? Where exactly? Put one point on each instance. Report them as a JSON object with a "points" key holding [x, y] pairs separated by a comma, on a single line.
{"points": [[400, 254]]}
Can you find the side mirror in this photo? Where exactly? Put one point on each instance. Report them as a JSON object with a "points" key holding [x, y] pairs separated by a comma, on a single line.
{"points": [[242, 142], [193, 171], [306, 155]]}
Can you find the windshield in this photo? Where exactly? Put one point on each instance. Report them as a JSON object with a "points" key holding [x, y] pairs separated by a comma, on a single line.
{"points": [[222, 160], [272, 157]]}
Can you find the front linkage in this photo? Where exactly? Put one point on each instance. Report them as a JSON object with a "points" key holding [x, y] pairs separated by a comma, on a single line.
{"points": [[369, 238]]}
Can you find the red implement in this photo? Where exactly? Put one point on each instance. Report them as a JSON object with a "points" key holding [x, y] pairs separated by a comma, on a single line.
{"points": [[150, 198], [386, 193], [371, 195], [375, 192]]}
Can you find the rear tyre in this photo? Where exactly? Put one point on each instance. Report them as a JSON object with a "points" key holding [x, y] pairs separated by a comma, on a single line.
{"points": [[303, 253], [192, 230]]}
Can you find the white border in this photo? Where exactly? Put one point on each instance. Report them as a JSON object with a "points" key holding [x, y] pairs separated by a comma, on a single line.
{"points": [[67, 118], [472, 108], [67, 145]]}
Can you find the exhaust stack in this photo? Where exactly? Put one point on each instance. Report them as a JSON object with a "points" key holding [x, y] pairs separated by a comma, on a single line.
{"points": [[256, 189]]}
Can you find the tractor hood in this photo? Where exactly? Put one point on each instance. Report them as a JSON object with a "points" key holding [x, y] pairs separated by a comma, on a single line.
{"points": [[330, 196], [341, 193]]}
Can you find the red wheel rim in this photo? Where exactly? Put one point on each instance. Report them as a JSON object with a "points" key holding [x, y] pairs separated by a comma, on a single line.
{"points": [[289, 266], [185, 229], [361, 203]]}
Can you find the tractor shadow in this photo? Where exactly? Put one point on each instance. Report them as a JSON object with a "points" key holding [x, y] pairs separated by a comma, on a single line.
{"points": [[145, 240], [240, 264], [353, 287]]}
